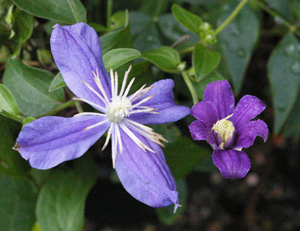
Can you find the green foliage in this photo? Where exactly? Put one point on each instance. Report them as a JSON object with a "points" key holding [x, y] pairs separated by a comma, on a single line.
{"points": [[58, 10], [57, 83], [30, 88], [283, 72], [205, 61], [60, 205], [11, 162], [117, 57], [165, 58], [189, 20], [238, 40], [17, 203], [7, 101]]}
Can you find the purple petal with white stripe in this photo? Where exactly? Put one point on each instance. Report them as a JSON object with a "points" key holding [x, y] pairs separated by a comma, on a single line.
{"points": [[51, 140], [163, 101], [145, 175], [74, 51]]}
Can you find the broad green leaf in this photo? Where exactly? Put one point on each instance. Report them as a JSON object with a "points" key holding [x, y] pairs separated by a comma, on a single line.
{"points": [[116, 39], [61, 201], [28, 120], [7, 101], [165, 58], [284, 77], [205, 61], [167, 215], [238, 40], [117, 57], [118, 20], [186, 18], [58, 10], [11, 163], [30, 87], [183, 156], [57, 83], [292, 126], [17, 203], [283, 7], [22, 28], [201, 85], [144, 31]]}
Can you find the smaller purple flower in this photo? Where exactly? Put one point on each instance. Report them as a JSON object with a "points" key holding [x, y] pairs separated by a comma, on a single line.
{"points": [[228, 129]]}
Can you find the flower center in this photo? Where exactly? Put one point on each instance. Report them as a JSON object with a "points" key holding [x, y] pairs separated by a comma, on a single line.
{"points": [[118, 109], [225, 130]]}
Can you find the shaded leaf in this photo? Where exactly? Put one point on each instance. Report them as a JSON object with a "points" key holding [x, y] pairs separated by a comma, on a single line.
{"points": [[186, 18], [284, 77], [57, 83], [30, 87], [165, 58], [238, 40], [7, 101], [117, 57], [205, 61], [61, 201], [116, 39], [11, 163], [58, 10], [17, 203], [292, 127], [167, 215]]}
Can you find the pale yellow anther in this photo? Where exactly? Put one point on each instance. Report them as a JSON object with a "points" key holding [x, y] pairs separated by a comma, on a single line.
{"points": [[225, 129]]}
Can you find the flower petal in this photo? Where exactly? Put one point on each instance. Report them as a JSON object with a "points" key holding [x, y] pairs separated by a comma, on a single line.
{"points": [[248, 133], [163, 101], [200, 131], [145, 175], [206, 112], [221, 94], [73, 49], [232, 164], [51, 140], [247, 108]]}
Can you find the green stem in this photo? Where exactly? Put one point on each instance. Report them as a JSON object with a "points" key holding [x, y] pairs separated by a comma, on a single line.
{"points": [[190, 86], [186, 50], [58, 109], [109, 13], [14, 117], [74, 10], [273, 13], [231, 17], [78, 106]]}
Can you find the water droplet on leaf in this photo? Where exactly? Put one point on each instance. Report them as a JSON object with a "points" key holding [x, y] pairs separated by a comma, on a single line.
{"points": [[295, 68], [289, 50]]}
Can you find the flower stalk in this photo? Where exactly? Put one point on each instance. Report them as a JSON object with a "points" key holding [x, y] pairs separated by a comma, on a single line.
{"points": [[190, 86]]}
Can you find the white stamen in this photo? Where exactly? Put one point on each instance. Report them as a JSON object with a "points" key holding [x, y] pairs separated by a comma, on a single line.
{"points": [[107, 137], [91, 103], [89, 113], [99, 84], [128, 87], [142, 101], [95, 125], [124, 81], [96, 93]]}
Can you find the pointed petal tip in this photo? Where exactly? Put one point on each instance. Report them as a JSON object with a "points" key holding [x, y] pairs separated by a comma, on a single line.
{"points": [[16, 147]]}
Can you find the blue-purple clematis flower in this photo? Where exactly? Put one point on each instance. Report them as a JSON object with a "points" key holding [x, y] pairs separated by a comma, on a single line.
{"points": [[228, 129], [136, 152]]}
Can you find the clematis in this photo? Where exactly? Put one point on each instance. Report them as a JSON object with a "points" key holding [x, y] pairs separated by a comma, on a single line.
{"points": [[228, 129], [136, 152]]}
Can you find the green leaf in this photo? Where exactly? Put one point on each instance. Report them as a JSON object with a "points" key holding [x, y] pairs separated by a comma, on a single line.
{"points": [[189, 20], [30, 87], [28, 120], [7, 101], [165, 58], [183, 156], [283, 7], [167, 215], [292, 126], [11, 163], [205, 61], [201, 85], [44, 57], [118, 20], [58, 10], [284, 77], [22, 28], [17, 203], [117, 57], [61, 201], [238, 40], [116, 39], [57, 83]]}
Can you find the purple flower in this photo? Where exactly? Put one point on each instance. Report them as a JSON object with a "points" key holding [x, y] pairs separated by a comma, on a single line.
{"points": [[228, 129], [136, 152]]}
